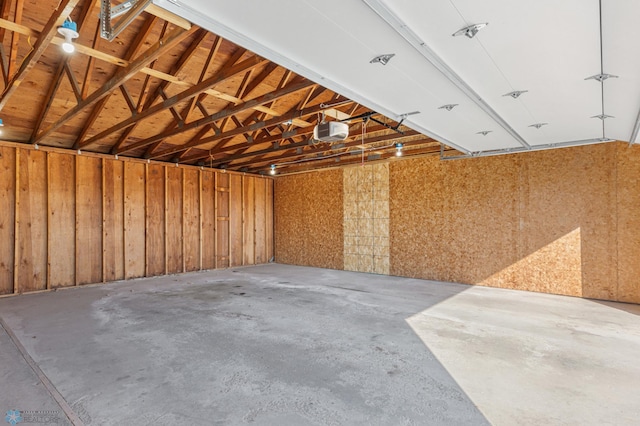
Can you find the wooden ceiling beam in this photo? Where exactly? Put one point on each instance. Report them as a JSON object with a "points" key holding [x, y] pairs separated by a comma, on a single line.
{"points": [[50, 30], [74, 83], [122, 75], [49, 97], [299, 167], [136, 44], [313, 150], [15, 37], [57, 78], [266, 124], [176, 99], [269, 97]]}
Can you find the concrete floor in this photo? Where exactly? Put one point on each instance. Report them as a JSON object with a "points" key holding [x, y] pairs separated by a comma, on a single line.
{"points": [[287, 345]]}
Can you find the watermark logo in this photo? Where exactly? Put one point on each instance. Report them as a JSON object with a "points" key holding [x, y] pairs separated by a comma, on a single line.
{"points": [[13, 417]]}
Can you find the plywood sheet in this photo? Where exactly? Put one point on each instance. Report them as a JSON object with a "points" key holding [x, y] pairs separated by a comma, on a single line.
{"points": [[134, 219], [174, 220], [628, 224], [62, 220], [260, 217], [568, 222], [235, 220], [191, 220], [7, 218], [32, 229], [248, 222], [208, 220], [88, 220], [113, 232], [155, 225], [309, 219]]}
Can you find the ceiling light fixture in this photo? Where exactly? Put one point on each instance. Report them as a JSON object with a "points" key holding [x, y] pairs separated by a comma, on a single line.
{"points": [[601, 77], [69, 30], [448, 107], [272, 170], [484, 132], [470, 31], [382, 59], [538, 125], [516, 93], [1, 123], [399, 147], [603, 116]]}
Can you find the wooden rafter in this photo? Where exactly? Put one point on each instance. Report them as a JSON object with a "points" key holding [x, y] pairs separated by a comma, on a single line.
{"points": [[57, 78], [121, 76], [265, 124], [312, 150], [15, 37], [180, 97], [135, 47], [292, 88], [50, 29]]}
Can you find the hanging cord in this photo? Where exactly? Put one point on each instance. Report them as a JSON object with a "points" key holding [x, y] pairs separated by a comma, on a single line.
{"points": [[364, 131]]}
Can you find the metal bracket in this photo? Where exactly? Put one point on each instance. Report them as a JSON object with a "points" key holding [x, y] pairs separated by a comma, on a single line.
{"points": [[130, 9]]}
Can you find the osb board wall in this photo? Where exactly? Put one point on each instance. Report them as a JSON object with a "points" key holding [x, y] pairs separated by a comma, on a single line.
{"points": [[71, 219], [561, 221], [366, 218], [309, 219]]}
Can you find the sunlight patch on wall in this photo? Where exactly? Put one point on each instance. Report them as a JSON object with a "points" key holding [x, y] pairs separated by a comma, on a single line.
{"points": [[555, 268]]}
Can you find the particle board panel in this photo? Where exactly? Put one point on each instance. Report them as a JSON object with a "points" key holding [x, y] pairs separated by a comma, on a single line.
{"points": [[32, 226], [628, 224], [208, 220], [222, 220], [248, 222], [155, 220], [88, 220], [260, 219], [191, 220], [7, 218], [235, 220], [62, 220], [113, 232], [568, 232], [309, 227], [269, 220], [134, 219], [174, 205]]}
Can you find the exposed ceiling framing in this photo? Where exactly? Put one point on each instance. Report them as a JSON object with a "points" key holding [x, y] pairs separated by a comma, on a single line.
{"points": [[167, 90]]}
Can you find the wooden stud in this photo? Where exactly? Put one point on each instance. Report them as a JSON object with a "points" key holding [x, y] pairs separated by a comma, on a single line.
{"points": [[16, 228]]}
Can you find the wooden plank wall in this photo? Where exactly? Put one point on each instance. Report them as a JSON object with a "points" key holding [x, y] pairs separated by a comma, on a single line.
{"points": [[70, 219]]}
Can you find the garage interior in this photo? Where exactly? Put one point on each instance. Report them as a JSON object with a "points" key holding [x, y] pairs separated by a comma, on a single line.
{"points": [[372, 212]]}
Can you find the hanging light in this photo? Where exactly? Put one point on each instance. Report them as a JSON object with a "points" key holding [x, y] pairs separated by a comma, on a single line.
{"points": [[398, 149], [273, 169], [69, 30], [1, 125]]}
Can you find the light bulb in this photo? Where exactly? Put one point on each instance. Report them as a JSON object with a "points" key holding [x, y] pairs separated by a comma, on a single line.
{"points": [[398, 150], [273, 169], [68, 46]]}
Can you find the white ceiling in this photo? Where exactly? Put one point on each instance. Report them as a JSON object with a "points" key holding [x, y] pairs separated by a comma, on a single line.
{"points": [[547, 47]]}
